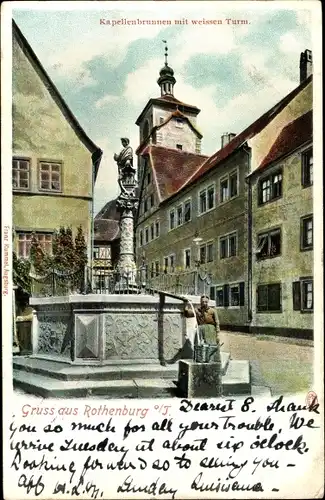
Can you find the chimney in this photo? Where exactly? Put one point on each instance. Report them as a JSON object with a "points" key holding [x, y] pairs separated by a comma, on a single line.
{"points": [[306, 64], [226, 138]]}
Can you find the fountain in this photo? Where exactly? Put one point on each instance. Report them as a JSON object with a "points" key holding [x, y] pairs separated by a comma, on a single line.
{"points": [[123, 344]]}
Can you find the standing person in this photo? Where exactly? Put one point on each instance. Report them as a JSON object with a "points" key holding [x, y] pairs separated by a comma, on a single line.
{"points": [[207, 319]]}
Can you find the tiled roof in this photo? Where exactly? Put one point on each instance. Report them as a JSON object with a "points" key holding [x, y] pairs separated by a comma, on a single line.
{"points": [[167, 101], [240, 139], [291, 137], [106, 230], [91, 146], [171, 168], [109, 211]]}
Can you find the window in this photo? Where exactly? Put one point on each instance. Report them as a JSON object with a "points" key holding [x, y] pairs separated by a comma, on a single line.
{"points": [[152, 201], [233, 181], [141, 237], [228, 246], [229, 186], [210, 255], [187, 211], [270, 188], [269, 244], [303, 295], [198, 146], [25, 241], [306, 229], [212, 293], [223, 190], [152, 270], [203, 254], [187, 258], [96, 253], [210, 200], [146, 235], [50, 176], [234, 295], [219, 296], [152, 232], [157, 267], [104, 253], [179, 212], [179, 123], [157, 229], [179, 146], [172, 262], [145, 205], [161, 120], [148, 177], [206, 199], [20, 173], [307, 168], [171, 219], [269, 298]]}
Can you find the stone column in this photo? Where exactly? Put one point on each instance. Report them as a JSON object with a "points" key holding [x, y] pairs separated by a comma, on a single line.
{"points": [[126, 265]]}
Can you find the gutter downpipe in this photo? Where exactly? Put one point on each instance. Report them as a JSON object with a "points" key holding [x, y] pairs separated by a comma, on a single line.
{"points": [[249, 239]]}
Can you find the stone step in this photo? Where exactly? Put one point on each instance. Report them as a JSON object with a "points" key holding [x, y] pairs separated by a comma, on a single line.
{"points": [[237, 380], [108, 389], [65, 371]]}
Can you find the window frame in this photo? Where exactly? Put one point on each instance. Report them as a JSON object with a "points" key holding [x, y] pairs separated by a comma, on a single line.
{"points": [[270, 179], [304, 155], [29, 162], [157, 226], [303, 282], [226, 238], [233, 286], [227, 177], [190, 258], [267, 234], [305, 247], [51, 163], [30, 233], [268, 311], [188, 201], [146, 235], [171, 211], [205, 190]]}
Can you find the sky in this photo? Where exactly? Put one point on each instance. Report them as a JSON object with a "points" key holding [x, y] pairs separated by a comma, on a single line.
{"points": [[106, 74]]}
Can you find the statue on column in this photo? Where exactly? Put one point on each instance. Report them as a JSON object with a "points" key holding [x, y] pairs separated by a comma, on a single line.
{"points": [[126, 171]]}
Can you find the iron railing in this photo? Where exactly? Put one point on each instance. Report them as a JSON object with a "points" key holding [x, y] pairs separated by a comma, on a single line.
{"points": [[105, 281]]}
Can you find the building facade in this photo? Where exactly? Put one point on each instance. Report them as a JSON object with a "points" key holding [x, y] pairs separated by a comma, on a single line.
{"points": [[54, 163], [198, 213], [282, 234]]}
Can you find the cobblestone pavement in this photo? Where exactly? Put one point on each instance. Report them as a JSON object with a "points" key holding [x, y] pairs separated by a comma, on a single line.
{"points": [[278, 363]]}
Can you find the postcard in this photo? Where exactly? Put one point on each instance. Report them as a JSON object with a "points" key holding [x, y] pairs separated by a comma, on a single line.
{"points": [[162, 250]]}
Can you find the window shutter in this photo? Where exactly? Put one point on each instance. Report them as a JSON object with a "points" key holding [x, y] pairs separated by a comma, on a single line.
{"points": [[296, 295], [242, 293], [226, 295]]}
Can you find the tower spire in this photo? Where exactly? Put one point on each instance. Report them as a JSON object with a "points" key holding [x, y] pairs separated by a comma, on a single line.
{"points": [[166, 52], [166, 80]]}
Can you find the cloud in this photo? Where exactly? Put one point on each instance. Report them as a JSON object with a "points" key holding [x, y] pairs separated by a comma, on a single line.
{"points": [[107, 99], [292, 43]]}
